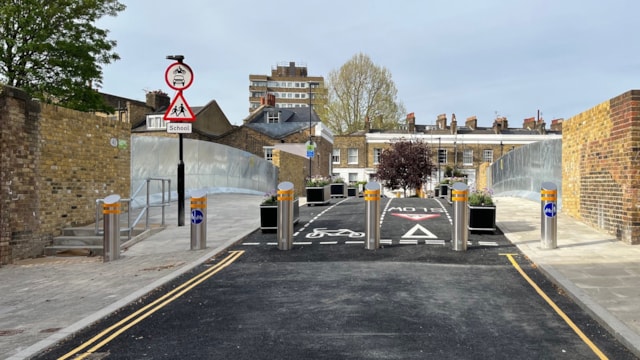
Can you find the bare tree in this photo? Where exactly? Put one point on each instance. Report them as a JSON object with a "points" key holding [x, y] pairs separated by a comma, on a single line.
{"points": [[405, 165], [360, 90]]}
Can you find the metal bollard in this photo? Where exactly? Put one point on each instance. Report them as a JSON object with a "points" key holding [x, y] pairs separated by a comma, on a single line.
{"points": [[372, 203], [198, 220], [285, 215], [111, 237], [460, 198], [548, 218]]}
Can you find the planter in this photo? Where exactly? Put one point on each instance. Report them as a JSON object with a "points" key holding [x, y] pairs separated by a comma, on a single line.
{"points": [[444, 190], [482, 218], [269, 216], [318, 195], [339, 190], [352, 191]]}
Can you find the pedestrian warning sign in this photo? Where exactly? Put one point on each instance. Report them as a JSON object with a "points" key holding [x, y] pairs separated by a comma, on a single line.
{"points": [[179, 110]]}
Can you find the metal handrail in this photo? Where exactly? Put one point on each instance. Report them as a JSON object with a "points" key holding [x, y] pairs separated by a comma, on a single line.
{"points": [[145, 210]]}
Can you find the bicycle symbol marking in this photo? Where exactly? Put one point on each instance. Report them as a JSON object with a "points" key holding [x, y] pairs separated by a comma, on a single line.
{"points": [[320, 232]]}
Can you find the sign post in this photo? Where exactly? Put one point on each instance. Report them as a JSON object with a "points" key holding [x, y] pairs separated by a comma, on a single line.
{"points": [[179, 76]]}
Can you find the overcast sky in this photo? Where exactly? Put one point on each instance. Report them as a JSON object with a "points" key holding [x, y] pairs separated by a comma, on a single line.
{"points": [[469, 57]]}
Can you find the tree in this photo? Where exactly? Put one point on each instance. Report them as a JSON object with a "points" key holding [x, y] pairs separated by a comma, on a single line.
{"points": [[53, 51], [359, 90], [405, 165]]}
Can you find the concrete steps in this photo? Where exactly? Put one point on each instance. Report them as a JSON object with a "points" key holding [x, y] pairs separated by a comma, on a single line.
{"points": [[82, 241]]}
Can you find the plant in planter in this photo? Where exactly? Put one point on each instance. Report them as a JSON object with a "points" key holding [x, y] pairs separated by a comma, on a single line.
{"points": [[318, 190], [338, 187], [269, 211], [482, 210]]}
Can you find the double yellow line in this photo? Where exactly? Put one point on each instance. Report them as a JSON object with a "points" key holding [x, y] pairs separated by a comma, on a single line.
{"points": [[123, 325]]}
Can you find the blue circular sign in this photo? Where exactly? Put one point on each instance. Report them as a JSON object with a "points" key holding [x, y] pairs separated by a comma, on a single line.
{"points": [[197, 216], [550, 209]]}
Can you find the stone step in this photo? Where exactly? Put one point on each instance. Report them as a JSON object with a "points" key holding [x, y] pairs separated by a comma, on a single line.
{"points": [[77, 240], [69, 250]]}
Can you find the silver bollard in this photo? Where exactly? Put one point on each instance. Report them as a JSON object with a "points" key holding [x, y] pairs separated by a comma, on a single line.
{"points": [[285, 215], [372, 226], [111, 236], [460, 199], [199, 220], [548, 218]]}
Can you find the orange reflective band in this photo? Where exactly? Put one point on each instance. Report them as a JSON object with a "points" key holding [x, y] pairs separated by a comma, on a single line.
{"points": [[548, 198], [111, 208], [542, 192], [285, 198], [285, 192], [117, 211], [371, 198], [459, 198], [198, 206], [459, 192]]}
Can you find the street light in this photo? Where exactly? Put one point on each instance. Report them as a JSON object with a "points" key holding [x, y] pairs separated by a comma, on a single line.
{"points": [[180, 58], [311, 145]]}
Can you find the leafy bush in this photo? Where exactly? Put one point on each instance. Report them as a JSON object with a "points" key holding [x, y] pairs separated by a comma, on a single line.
{"points": [[481, 197]]}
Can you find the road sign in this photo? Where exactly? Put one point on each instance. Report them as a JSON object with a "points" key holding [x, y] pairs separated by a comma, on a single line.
{"points": [[550, 209], [179, 110], [196, 216], [179, 128], [311, 147], [178, 76]]}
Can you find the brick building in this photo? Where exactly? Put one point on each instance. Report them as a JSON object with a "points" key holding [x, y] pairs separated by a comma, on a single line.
{"points": [[463, 148]]}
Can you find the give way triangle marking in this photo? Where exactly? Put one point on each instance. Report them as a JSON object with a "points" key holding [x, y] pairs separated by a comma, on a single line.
{"points": [[416, 217], [412, 233]]}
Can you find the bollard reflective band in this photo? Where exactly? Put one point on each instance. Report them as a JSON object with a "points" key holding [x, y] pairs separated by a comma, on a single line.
{"points": [[199, 203], [111, 208], [459, 195], [548, 195], [285, 195], [371, 195]]}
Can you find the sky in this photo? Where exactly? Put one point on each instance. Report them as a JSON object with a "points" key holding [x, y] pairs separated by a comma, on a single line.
{"points": [[484, 58]]}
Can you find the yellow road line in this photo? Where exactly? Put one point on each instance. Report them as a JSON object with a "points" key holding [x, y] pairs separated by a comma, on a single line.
{"points": [[555, 307], [162, 301]]}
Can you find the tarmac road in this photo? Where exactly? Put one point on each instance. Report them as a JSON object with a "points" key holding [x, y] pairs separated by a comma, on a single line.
{"points": [[329, 298]]}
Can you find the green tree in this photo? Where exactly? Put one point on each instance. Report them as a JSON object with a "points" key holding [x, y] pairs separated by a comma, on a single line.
{"points": [[52, 49], [358, 90], [405, 165]]}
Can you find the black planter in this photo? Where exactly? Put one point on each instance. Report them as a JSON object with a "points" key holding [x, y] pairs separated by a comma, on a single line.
{"points": [[444, 190], [339, 190], [320, 195], [352, 191], [269, 216], [482, 218]]}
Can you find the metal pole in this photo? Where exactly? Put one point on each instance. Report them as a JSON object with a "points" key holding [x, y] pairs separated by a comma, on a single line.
{"points": [[285, 215], [372, 221], [180, 186], [439, 160], [199, 220], [459, 198], [548, 218], [111, 236], [310, 144]]}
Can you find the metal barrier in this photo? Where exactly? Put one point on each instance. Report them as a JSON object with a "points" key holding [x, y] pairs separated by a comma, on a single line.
{"points": [[372, 203], [285, 196], [198, 220], [111, 237], [548, 218], [460, 233]]}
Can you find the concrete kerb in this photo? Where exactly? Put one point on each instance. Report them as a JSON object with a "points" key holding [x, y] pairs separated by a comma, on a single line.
{"points": [[95, 317]]}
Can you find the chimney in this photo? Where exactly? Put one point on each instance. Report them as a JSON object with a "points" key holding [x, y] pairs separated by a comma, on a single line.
{"points": [[454, 124], [529, 123], [556, 125], [367, 124], [441, 122], [472, 122], [269, 100], [411, 122], [158, 100]]}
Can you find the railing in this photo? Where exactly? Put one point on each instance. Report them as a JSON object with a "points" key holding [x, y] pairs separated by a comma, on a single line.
{"points": [[166, 189]]}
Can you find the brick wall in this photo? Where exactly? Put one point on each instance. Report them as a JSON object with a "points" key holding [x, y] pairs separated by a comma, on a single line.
{"points": [[601, 166], [291, 168], [55, 163]]}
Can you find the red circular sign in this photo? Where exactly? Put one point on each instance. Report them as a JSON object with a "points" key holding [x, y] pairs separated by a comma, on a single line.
{"points": [[178, 76]]}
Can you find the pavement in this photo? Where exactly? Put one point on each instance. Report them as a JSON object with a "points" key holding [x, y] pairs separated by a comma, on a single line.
{"points": [[45, 300]]}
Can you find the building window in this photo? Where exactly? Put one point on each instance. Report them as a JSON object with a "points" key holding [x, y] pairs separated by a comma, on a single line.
{"points": [[156, 122], [487, 155], [467, 157], [273, 117], [376, 155], [335, 158], [353, 178], [352, 156], [442, 156], [268, 153]]}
